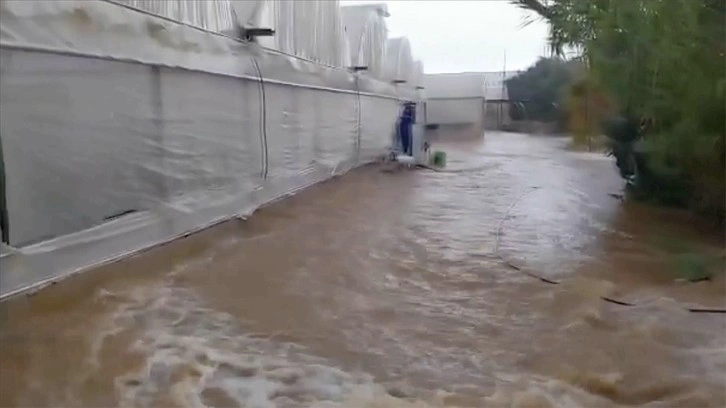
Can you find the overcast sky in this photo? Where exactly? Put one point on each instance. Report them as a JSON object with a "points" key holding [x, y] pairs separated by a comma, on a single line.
{"points": [[458, 36]]}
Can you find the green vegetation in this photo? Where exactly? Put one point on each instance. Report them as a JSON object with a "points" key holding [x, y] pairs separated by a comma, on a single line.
{"points": [[656, 71], [690, 261], [539, 92]]}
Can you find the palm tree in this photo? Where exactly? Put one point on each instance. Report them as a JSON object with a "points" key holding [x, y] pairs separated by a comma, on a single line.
{"points": [[570, 21]]}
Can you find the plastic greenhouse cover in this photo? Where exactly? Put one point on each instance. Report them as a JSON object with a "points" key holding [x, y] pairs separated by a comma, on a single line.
{"points": [[455, 111], [417, 74], [121, 131], [217, 15], [398, 64], [106, 30], [455, 98], [366, 33], [312, 29], [495, 87], [458, 85]]}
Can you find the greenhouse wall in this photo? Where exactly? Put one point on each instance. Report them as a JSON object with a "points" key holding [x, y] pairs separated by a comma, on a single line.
{"points": [[121, 131], [457, 100]]}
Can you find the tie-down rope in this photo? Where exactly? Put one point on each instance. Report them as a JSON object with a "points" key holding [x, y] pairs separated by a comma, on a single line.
{"points": [[263, 120]]}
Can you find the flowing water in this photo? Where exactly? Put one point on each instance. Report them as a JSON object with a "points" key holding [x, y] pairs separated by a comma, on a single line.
{"points": [[387, 288]]}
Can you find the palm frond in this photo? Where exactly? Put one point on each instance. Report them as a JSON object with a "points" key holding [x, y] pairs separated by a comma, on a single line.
{"points": [[537, 6]]}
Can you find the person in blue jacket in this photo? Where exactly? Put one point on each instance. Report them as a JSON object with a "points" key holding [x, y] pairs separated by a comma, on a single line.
{"points": [[405, 124]]}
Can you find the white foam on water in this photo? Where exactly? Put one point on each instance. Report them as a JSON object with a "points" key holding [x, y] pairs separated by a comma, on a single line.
{"points": [[199, 357]]}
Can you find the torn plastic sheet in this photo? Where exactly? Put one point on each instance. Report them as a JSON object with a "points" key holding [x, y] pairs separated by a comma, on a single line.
{"points": [[109, 150]]}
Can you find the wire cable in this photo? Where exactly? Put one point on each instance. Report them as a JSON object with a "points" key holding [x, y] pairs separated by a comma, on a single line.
{"points": [[509, 264]]}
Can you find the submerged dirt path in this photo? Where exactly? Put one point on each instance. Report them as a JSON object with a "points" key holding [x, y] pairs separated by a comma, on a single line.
{"points": [[386, 289]]}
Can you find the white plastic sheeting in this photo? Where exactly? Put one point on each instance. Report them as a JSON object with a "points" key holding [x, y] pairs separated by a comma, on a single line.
{"points": [[246, 12], [496, 88], [455, 111], [398, 63], [455, 98], [417, 74], [311, 29], [121, 131], [497, 95], [456, 85], [366, 33], [214, 15]]}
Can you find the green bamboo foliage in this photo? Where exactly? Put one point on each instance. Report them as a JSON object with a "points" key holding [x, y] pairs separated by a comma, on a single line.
{"points": [[661, 62]]}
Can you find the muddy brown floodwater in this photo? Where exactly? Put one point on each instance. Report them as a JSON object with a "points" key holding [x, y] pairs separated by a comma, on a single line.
{"points": [[383, 289]]}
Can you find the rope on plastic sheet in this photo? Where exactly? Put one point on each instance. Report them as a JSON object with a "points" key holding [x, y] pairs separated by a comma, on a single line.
{"points": [[358, 124], [263, 119], [541, 278], [4, 219]]}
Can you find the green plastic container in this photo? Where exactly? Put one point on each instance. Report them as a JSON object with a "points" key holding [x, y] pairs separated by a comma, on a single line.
{"points": [[439, 159]]}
